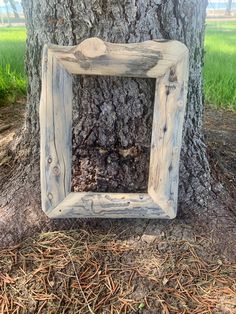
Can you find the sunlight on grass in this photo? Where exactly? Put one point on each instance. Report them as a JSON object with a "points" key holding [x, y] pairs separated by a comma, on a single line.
{"points": [[220, 64], [12, 74]]}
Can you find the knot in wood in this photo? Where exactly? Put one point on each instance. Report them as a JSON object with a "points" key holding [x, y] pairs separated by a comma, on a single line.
{"points": [[50, 196], [56, 170], [91, 48]]}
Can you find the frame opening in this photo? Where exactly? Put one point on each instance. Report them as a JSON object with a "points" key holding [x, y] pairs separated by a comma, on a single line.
{"points": [[107, 156]]}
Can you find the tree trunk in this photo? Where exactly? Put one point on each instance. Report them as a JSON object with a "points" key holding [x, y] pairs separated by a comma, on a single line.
{"points": [[228, 8], [112, 117], [7, 11], [14, 9]]}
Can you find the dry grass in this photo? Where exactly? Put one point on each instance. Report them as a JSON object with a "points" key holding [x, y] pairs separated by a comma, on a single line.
{"points": [[83, 272]]}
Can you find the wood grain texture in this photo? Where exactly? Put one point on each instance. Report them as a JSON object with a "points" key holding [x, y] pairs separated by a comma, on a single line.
{"points": [[95, 57], [168, 118], [55, 126], [167, 61], [108, 205]]}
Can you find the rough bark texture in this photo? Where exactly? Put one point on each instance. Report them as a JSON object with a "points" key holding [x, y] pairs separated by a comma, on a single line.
{"points": [[112, 116], [112, 134]]}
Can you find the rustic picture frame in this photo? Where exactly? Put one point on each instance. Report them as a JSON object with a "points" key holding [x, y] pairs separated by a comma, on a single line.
{"points": [[164, 60]]}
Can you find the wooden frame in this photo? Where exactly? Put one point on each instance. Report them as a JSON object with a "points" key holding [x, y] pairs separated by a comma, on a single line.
{"points": [[167, 62]]}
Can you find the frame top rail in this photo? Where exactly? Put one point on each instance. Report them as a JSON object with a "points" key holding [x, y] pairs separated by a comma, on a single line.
{"points": [[94, 56]]}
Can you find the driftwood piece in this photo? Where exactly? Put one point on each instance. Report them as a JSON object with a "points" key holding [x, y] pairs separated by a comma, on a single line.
{"points": [[167, 61]]}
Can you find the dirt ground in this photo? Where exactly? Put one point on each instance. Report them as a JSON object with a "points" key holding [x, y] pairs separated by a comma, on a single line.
{"points": [[164, 269], [220, 131]]}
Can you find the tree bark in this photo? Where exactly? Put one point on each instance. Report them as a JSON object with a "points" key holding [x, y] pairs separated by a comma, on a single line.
{"points": [[112, 117]]}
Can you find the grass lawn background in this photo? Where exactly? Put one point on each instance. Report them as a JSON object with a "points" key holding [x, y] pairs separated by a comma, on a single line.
{"points": [[219, 69], [12, 74], [220, 64]]}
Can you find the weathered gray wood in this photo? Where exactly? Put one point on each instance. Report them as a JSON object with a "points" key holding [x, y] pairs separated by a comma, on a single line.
{"points": [[167, 61], [168, 117], [95, 57], [55, 126], [108, 205]]}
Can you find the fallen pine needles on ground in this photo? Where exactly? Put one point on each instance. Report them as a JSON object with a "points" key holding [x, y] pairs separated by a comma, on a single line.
{"points": [[85, 272]]}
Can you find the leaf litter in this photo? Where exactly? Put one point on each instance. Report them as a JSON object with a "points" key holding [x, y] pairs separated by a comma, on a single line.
{"points": [[81, 271]]}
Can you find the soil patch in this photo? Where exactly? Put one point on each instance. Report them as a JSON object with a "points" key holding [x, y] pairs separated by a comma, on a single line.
{"points": [[220, 131]]}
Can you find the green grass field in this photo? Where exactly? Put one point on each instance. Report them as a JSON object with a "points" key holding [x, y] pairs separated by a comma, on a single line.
{"points": [[220, 64], [12, 74], [219, 70]]}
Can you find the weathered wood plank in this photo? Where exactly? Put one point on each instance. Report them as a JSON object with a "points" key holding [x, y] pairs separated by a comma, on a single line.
{"points": [[168, 117], [107, 205], [55, 125], [96, 57]]}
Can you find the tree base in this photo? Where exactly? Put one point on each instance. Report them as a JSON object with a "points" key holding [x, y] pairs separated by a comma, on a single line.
{"points": [[21, 216]]}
